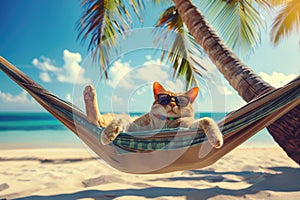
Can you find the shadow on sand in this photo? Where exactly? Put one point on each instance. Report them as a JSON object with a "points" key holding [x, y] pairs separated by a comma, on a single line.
{"points": [[286, 180]]}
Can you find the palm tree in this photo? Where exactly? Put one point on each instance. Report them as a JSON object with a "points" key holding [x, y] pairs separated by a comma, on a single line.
{"points": [[285, 131], [241, 77]]}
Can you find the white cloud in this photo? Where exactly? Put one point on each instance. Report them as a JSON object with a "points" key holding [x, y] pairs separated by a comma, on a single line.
{"points": [[125, 76], [120, 75], [22, 98], [224, 90], [150, 61], [277, 79], [45, 77], [71, 72], [152, 71], [45, 65]]}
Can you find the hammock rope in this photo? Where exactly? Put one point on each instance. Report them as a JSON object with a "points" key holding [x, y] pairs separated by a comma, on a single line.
{"points": [[167, 150]]}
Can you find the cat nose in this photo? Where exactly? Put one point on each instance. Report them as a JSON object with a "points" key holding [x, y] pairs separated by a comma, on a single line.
{"points": [[172, 104]]}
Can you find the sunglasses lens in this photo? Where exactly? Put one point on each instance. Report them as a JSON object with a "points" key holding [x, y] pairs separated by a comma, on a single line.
{"points": [[182, 100], [164, 99]]}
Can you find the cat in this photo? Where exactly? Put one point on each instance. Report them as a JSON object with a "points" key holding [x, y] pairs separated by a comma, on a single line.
{"points": [[169, 110]]}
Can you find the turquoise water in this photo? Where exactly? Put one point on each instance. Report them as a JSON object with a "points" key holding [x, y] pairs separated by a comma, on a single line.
{"points": [[43, 130]]}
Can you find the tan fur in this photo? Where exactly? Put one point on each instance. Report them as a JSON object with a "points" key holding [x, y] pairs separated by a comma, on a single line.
{"points": [[116, 124]]}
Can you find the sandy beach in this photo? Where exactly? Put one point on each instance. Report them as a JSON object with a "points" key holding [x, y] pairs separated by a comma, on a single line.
{"points": [[72, 173]]}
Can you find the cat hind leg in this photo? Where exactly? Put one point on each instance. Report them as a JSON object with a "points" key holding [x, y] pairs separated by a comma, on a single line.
{"points": [[91, 105]]}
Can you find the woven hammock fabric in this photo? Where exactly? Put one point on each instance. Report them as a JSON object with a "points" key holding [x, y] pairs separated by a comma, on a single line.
{"points": [[162, 151]]}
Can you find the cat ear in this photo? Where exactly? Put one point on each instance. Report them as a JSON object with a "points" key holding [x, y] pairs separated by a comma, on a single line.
{"points": [[158, 88], [192, 93]]}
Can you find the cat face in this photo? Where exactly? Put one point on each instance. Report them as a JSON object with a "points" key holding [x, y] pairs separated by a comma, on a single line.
{"points": [[174, 105]]}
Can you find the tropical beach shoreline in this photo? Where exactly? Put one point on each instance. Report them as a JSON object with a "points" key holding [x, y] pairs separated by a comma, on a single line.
{"points": [[234, 59], [52, 163], [74, 173]]}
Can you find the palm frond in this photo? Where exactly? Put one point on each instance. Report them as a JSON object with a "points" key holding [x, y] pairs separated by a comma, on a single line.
{"points": [[287, 21], [102, 22], [266, 5], [162, 1], [278, 2], [238, 22], [92, 20], [137, 6], [181, 49]]}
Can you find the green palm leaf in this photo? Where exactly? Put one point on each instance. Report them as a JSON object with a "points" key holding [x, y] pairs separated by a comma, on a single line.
{"points": [[239, 22], [183, 52], [101, 22], [286, 21], [92, 19]]}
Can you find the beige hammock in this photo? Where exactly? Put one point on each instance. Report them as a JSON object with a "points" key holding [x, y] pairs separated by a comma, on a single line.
{"points": [[162, 151]]}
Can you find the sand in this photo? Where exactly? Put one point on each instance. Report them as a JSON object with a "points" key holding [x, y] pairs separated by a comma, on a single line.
{"points": [[72, 173]]}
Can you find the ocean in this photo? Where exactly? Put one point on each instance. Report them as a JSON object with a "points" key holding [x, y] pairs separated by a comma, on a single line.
{"points": [[42, 130]]}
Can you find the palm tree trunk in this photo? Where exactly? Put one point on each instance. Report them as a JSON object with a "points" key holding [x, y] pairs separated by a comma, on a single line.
{"points": [[248, 84], [286, 132]]}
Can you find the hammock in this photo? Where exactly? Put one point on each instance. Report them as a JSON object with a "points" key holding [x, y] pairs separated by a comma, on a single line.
{"points": [[163, 151]]}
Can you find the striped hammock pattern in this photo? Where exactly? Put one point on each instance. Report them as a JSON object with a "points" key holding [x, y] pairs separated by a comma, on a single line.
{"points": [[168, 139], [142, 152]]}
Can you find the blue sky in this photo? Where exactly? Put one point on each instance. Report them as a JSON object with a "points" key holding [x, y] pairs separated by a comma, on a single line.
{"points": [[40, 38]]}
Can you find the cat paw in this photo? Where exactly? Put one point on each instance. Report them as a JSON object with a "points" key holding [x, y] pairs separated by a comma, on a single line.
{"points": [[113, 130], [109, 134], [215, 136], [212, 131]]}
